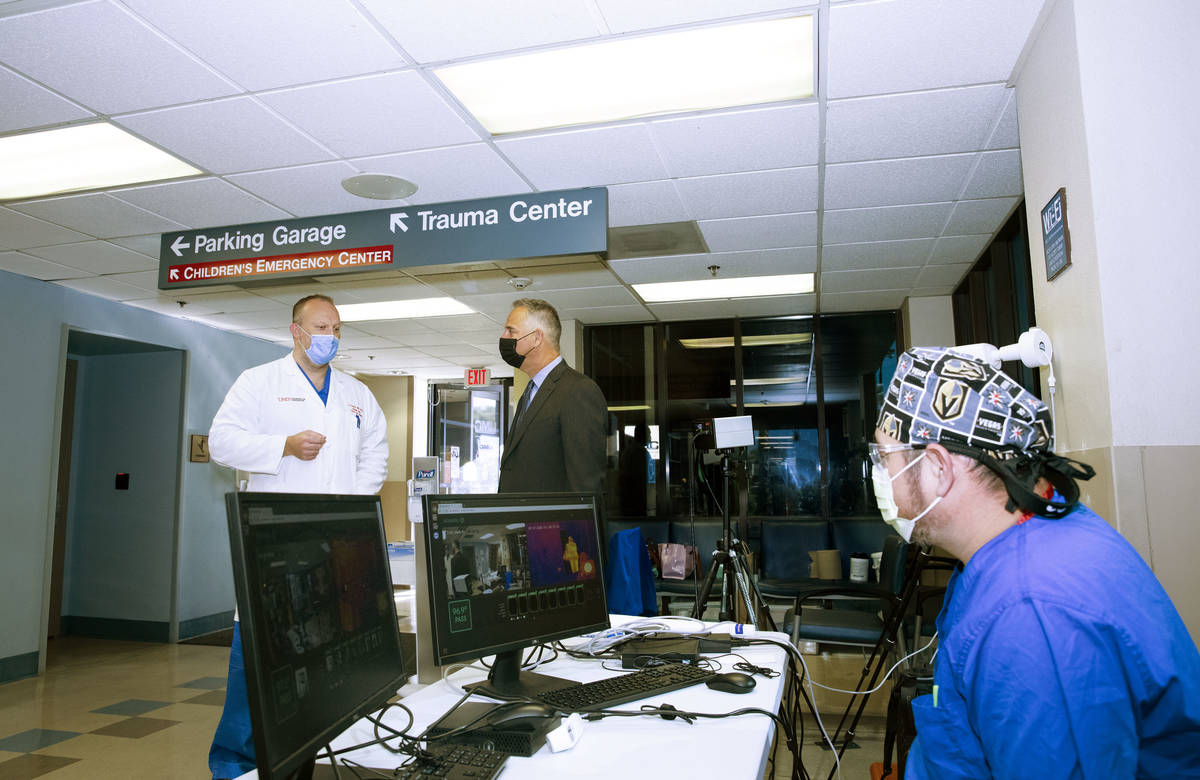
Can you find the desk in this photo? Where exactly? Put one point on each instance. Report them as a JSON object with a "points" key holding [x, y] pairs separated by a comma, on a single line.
{"points": [[730, 748]]}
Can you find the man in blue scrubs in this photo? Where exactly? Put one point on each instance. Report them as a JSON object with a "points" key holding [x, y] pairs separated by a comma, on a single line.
{"points": [[1060, 655]]}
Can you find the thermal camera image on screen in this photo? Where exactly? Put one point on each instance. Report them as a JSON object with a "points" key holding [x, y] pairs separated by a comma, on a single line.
{"points": [[559, 553]]}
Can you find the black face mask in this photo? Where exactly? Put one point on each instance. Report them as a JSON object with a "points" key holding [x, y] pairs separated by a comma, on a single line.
{"points": [[508, 351]]}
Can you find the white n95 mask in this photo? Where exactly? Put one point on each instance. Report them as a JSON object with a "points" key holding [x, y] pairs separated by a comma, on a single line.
{"points": [[886, 501]]}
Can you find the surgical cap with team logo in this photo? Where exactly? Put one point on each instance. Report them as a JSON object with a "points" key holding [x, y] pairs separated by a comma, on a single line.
{"points": [[939, 395]]}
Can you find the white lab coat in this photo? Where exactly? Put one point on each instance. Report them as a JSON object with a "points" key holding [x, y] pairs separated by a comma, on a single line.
{"points": [[270, 402]]}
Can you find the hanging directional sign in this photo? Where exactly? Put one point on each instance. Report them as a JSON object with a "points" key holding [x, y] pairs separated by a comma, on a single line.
{"points": [[534, 225]]}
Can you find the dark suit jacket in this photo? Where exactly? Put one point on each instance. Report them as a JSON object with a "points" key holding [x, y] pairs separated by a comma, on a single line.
{"points": [[559, 442]]}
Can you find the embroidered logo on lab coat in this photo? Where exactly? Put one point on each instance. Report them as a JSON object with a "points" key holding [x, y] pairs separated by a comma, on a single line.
{"points": [[290, 398]]}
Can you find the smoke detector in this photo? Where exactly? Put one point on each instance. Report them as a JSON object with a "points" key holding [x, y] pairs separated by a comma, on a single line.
{"points": [[519, 282]]}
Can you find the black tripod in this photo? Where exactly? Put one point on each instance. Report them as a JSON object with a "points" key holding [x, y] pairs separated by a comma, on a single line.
{"points": [[728, 557]]}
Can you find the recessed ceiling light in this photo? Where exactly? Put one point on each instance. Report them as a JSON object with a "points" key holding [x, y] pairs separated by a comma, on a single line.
{"points": [[399, 310], [765, 340], [638, 76], [720, 289], [81, 157], [378, 186]]}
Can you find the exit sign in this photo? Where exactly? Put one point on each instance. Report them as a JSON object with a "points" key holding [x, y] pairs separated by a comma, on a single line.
{"points": [[478, 377]]}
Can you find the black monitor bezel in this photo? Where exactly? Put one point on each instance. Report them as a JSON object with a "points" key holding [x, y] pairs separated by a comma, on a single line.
{"points": [[268, 767], [442, 658]]}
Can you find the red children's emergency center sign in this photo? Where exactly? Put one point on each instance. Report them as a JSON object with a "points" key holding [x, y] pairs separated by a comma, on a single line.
{"points": [[313, 262]]}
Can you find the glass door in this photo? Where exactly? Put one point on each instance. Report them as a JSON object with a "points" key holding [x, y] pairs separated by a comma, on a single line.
{"points": [[466, 432]]}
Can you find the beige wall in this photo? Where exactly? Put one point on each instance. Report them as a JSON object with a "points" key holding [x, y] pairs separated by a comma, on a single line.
{"points": [[1105, 112], [928, 321], [395, 397]]}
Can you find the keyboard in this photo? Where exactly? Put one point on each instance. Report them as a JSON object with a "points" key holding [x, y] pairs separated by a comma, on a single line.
{"points": [[611, 691], [454, 761]]}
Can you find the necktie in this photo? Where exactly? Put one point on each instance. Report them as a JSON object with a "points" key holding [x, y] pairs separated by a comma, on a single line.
{"points": [[522, 403]]}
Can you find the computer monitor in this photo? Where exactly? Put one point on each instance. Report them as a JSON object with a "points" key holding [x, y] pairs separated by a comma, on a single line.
{"points": [[318, 620], [508, 571]]}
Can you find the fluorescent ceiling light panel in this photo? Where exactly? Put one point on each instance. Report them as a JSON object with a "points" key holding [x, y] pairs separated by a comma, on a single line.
{"points": [[638, 408], [81, 157], [639, 76], [781, 380], [765, 340], [400, 310], [722, 289]]}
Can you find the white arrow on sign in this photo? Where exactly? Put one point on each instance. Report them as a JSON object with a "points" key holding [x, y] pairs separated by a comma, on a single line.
{"points": [[179, 242], [398, 221], [173, 275]]}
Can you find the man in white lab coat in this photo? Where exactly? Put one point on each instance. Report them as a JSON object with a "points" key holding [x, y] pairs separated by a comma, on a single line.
{"points": [[297, 426]]}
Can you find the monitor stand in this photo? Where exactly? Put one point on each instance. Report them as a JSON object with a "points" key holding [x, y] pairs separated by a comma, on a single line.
{"points": [[506, 680]]}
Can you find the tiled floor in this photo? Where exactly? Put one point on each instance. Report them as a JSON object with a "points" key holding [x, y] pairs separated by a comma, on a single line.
{"points": [[108, 709]]}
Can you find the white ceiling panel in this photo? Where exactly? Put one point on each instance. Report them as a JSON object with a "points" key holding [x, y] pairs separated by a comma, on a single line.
{"points": [[426, 339], [877, 254], [997, 174], [851, 281], [565, 277], [396, 330], [471, 283], [750, 194], [248, 320], [106, 59], [28, 105], [20, 231], [924, 44], [288, 293], [143, 280], [356, 338], [201, 203], [896, 182], [460, 322], [775, 306], [37, 268], [593, 296], [461, 352], [96, 257], [305, 191], [959, 249], [281, 336], [971, 217], [147, 245], [1006, 134], [647, 203], [863, 301], [395, 112], [270, 43], [454, 173], [928, 292], [603, 315], [940, 275], [351, 290], [212, 136], [763, 262], [627, 15], [98, 215], [434, 30], [784, 137], [234, 302], [169, 305], [914, 124], [885, 224], [104, 287], [770, 232], [584, 158]]}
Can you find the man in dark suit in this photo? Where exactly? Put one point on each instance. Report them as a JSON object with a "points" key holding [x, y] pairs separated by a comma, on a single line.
{"points": [[556, 442]]}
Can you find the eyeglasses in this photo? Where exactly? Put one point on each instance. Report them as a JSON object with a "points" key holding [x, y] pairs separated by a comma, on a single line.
{"points": [[879, 451]]}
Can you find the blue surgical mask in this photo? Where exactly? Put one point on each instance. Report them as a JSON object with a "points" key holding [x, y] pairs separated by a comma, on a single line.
{"points": [[323, 347]]}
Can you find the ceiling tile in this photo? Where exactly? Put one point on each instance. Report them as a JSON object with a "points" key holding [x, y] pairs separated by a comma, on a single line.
{"points": [[459, 322], [96, 257], [281, 336], [585, 158], [397, 330], [355, 338], [930, 292], [564, 277], [471, 283], [1006, 134], [248, 320], [627, 15], [169, 305], [885, 224], [997, 174], [433, 30], [770, 232], [646, 203], [941, 275], [103, 287], [147, 245], [395, 112], [876, 48], [428, 338], [29, 105], [284, 293], [592, 296], [99, 215], [784, 137], [201, 203], [269, 43], [306, 191], [460, 352], [959, 249], [896, 182], [213, 136], [854, 281], [973, 217], [20, 231], [234, 302], [863, 301], [775, 306], [603, 315], [763, 262], [143, 280], [105, 58], [876, 254], [35, 267], [913, 124], [750, 194], [351, 290], [454, 173]]}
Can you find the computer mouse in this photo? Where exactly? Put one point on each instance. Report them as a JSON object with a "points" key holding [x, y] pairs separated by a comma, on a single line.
{"points": [[732, 682], [527, 716]]}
